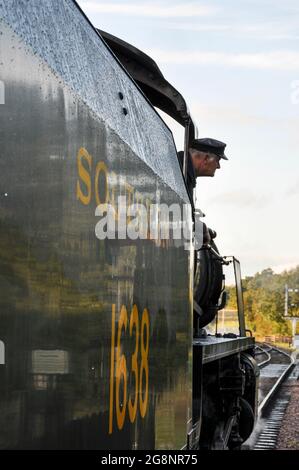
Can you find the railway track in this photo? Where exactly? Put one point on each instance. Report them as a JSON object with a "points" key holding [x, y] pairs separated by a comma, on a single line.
{"points": [[275, 368]]}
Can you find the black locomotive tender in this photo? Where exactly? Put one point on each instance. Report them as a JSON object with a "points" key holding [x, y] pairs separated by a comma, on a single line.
{"points": [[101, 342]]}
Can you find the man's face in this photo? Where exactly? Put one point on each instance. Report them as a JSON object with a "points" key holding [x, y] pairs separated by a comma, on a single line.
{"points": [[205, 164]]}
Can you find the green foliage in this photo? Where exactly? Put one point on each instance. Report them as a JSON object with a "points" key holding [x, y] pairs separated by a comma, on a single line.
{"points": [[264, 301]]}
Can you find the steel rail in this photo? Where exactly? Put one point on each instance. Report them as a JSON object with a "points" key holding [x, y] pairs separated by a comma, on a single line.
{"points": [[266, 361], [267, 400]]}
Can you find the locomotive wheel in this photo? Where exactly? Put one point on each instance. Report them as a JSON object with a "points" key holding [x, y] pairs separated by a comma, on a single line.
{"points": [[245, 423], [246, 420]]}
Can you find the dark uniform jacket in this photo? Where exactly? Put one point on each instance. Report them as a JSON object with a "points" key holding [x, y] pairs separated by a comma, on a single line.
{"points": [[191, 183], [191, 178]]}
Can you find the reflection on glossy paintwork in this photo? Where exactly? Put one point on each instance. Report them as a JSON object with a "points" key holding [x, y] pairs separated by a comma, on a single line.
{"points": [[59, 284]]}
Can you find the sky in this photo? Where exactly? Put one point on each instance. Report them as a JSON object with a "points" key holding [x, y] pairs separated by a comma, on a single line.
{"points": [[236, 62]]}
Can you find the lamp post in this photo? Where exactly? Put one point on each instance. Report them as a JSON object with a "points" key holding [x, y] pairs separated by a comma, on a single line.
{"points": [[286, 311]]}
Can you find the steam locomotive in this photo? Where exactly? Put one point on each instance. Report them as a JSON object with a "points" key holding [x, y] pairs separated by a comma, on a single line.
{"points": [[102, 342]]}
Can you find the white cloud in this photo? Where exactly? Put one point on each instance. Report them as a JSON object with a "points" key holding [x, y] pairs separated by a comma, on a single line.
{"points": [[285, 266], [277, 60], [239, 116], [241, 198], [181, 10], [264, 31], [198, 27], [293, 190]]}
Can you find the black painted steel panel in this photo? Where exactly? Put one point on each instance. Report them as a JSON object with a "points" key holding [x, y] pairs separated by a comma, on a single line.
{"points": [[66, 145]]}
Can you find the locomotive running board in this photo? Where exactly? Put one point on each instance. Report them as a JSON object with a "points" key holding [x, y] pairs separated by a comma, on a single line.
{"points": [[213, 348]]}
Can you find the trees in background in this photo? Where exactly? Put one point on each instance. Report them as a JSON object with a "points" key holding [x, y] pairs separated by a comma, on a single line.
{"points": [[264, 297]]}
